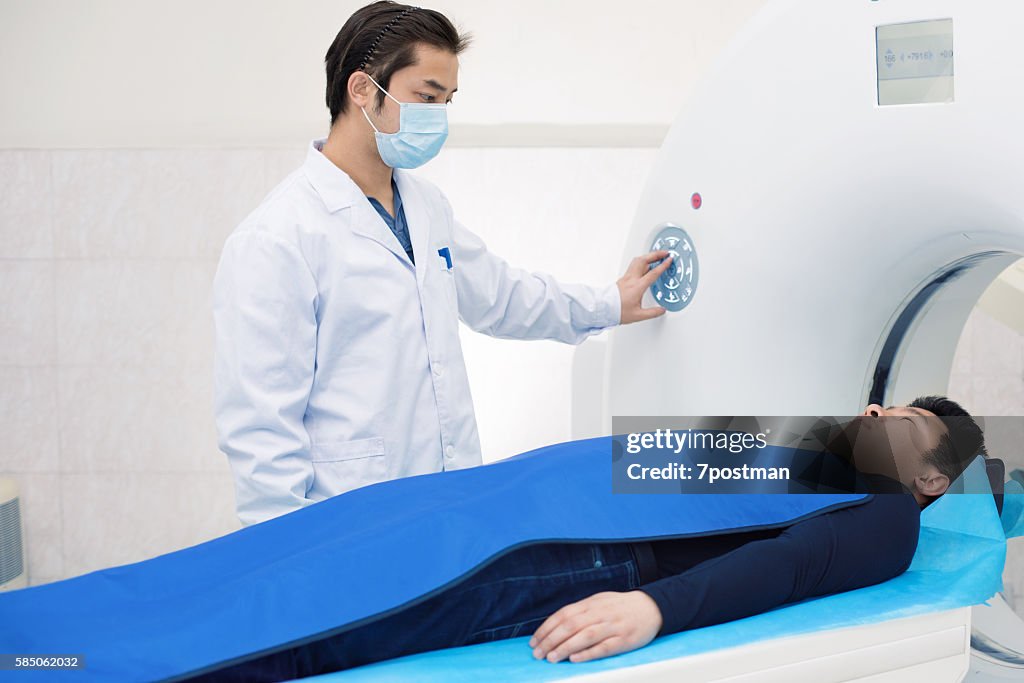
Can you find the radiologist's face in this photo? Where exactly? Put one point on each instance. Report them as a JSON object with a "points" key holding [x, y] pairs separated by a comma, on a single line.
{"points": [[432, 79]]}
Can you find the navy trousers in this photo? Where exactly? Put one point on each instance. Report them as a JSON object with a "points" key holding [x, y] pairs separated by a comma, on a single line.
{"points": [[510, 597]]}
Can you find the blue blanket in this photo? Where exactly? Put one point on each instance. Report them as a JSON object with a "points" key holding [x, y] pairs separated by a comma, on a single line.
{"points": [[959, 562], [343, 561]]}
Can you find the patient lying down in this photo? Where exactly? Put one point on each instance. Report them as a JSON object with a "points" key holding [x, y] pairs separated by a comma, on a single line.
{"points": [[583, 601]]}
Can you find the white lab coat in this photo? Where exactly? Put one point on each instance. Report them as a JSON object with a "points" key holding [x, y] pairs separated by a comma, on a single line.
{"points": [[337, 362]]}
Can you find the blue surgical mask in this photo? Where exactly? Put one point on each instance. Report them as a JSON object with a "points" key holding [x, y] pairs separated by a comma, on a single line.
{"points": [[422, 130]]}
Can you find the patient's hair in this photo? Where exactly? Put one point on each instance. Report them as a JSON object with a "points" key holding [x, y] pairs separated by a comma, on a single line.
{"points": [[962, 442]]}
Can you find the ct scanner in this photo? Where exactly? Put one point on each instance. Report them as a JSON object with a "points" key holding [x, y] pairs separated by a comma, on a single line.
{"points": [[839, 196]]}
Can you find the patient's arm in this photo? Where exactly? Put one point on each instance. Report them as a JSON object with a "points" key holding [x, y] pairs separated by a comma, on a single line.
{"points": [[837, 551]]}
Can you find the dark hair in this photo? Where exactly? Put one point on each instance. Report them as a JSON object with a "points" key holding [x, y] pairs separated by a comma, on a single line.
{"points": [[961, 443], [380, 39]]}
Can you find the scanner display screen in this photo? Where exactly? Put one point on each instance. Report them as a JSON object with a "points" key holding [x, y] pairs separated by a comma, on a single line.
{"points": [[915, 62]]}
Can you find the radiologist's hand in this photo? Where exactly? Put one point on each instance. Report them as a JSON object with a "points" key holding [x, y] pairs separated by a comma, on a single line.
{"points": [[636, 281], [602, 625]]}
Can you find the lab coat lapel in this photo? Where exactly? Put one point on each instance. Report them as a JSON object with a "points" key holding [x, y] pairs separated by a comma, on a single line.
{"points": [[368, 223], [339, 191], [417, 217]]}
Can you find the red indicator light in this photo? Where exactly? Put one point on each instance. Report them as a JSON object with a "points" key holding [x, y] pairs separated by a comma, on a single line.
{"points": [[695, 200]]}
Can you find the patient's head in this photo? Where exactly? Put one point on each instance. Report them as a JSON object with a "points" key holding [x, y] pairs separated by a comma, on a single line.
{"points": [[925, 444]]}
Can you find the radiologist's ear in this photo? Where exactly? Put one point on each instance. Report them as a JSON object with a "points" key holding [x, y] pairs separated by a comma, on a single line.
{"points": [[934, 484], [360, 89]]}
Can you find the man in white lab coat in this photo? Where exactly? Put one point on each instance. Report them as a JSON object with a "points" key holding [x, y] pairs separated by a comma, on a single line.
{"points": [[337, 301]]}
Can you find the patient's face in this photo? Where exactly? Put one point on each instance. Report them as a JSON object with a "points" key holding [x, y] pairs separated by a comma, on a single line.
{"points": [[894, 440]]}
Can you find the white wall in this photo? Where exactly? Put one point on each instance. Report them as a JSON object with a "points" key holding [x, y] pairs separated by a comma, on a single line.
{"points": [[149, 73]]}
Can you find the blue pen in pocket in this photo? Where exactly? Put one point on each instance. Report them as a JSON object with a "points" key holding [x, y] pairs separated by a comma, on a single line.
{"points": [[444, 253]]}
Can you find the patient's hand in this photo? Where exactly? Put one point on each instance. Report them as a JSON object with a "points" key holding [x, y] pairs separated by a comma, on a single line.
{"points": [[602, 625]]}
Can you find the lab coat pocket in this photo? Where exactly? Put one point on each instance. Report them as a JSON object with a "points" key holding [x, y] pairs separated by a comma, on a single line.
{"points": [[447, 282], [340, 466]]}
